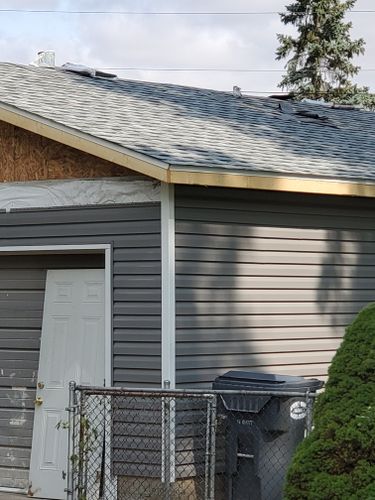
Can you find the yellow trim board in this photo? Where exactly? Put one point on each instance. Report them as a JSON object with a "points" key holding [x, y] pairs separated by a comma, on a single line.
{"points": [[273, 183], [85, 143], [166, 173]]}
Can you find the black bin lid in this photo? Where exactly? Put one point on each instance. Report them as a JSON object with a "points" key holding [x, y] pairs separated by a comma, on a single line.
{"points": [[257, 381]]}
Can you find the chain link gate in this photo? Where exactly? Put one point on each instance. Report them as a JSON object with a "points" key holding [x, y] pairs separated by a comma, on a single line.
{"points": [[160, 444], [136, 445]]}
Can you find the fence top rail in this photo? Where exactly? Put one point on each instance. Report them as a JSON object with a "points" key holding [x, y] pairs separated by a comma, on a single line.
{"points": [[185, 393]]}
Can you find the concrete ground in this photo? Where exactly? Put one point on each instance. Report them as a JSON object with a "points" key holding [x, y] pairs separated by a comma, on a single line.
{"points": [[12, 496]]}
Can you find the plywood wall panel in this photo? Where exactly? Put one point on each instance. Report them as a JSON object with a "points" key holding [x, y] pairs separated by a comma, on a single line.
{"points": [[25, 156], [6, 152]]}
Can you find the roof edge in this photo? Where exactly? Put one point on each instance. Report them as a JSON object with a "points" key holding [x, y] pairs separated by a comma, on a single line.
{"points": [[84, 142], [174, 174], [272, 183]]}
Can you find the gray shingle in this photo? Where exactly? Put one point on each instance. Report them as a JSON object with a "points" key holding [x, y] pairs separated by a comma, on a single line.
{"points": [[198, 128]]}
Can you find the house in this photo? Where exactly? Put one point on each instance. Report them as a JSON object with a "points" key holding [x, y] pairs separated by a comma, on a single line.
{"points": [[156, 234]]}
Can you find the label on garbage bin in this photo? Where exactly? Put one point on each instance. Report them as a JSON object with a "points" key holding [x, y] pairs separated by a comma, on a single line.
{"points": [[298, 410]]}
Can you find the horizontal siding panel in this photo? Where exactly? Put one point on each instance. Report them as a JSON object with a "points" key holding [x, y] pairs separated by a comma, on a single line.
{"points": [[19, 363], [14, 441], [247, 321], [221, 215], [136, 281], [137, 363], [17, 418], [258, 333], [137, 267], [15, 430], [260, 282], [136, 377], [138, 348], [68, 215], [137, 322], [20, 355], [29, 298], [77, 229], [257, 295], [236, 361], [281, 202], [135, 294], [266, 269], [186, 227], [127, 308], [273, 244], [127, 254], [21, 284], [139, 335], [20, 275], [274, 257], [19, 399], [24, 307], [147, 240], [255, 346], [239, 308], [21, 381], [14, 477], [27, 334]]}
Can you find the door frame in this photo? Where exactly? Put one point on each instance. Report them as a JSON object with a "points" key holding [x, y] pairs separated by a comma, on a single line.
{"points": [[105, 249]]}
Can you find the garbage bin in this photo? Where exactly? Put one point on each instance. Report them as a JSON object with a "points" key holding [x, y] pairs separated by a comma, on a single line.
{"points": [[261, 431]]}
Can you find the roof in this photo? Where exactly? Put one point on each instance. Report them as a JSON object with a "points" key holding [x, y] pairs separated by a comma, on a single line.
{"points": [[196, 130]]}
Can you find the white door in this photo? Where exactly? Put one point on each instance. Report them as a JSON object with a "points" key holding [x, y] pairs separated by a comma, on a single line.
{"points": [[72, 348]]}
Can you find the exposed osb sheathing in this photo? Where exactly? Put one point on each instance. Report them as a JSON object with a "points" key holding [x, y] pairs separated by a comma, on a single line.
{"points": [[25, 156]]}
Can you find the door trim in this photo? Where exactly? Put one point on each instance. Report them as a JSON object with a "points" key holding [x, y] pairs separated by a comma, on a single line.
{"points": [[94, 248]]}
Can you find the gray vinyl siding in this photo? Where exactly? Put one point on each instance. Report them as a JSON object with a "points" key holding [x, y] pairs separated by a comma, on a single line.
{"points": [[134, 233], [22, 288], [267, 281]]}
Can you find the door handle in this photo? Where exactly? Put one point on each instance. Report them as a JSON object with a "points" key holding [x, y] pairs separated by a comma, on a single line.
{"points": [[38, 401]]}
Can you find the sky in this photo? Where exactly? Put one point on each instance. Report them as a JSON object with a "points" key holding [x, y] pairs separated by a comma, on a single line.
{"points": [[167, 41]]}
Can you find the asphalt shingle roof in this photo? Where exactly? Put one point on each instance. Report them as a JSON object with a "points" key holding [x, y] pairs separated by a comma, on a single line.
{"points": [[199, 128]]}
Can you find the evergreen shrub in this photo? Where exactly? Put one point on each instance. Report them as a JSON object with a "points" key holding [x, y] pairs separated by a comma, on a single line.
{"points": [[337, 460]]}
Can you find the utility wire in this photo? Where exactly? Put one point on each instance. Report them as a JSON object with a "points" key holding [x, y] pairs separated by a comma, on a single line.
{"points": [[213, 70], [150, 13]]}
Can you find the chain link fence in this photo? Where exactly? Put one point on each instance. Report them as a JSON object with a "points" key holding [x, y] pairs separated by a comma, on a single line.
{"points": [[182, 445]]}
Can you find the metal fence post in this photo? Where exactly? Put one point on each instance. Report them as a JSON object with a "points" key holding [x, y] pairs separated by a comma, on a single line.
{"points": [[166, 443], [81, 448], [309, 411], [212, 405], [71, 441]]}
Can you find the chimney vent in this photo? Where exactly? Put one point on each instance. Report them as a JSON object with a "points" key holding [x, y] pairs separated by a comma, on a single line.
{"points": [[45, 59]]}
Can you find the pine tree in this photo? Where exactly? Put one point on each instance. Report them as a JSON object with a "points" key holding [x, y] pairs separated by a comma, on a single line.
{"points": [[321, 54]]}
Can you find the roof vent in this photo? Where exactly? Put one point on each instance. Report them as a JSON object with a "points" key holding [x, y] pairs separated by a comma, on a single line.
{"points": [[83, 70], [45, 59], [237, 91], [346, 106]]}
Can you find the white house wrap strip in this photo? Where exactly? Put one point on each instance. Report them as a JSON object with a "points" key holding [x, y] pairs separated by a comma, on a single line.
{"points": [[82, 192]]}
